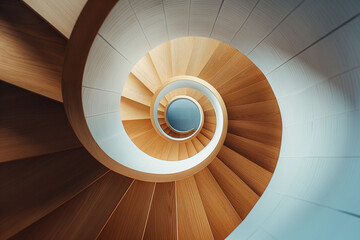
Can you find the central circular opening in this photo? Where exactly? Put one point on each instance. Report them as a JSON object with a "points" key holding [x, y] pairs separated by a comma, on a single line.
{"points": [[183, 115]]}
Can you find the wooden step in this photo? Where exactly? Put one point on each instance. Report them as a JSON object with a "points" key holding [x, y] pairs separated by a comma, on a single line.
{"points": [[208, 134], [192, 219], [32, 53], [32, 125], [209, 126], [162, 222], [161, 58], [202, 51], [145, 71], [31, 188], [181, 49], [171, 133], [252, 174], [163, 126], [204, 140], [265, 132], [173, 152], [223, 218], [205, 104], [84, 215], [244, 78], [165, 151], [209, 112], [135, 128], [197, 144], [267, 111], [161, 121], [157, 147], [241, 196], [194, 94], [167, 130], [230, 69], [262, 154], [210, 119], [176, 93], [183, 154], [128, 221], [61, 15], [222, 54], [258, 92], [146, 139], [135, 90], [131, 110], [190, 148]]}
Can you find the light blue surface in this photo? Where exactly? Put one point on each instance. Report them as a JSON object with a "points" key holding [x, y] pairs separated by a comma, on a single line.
{"points": [[183, 115]]}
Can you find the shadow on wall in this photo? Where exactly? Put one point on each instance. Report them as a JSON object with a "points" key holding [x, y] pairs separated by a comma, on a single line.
{"points": [[314, 193]]}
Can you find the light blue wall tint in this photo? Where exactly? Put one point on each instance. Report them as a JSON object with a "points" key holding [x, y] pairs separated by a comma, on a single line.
{"points": [[183, 115]]}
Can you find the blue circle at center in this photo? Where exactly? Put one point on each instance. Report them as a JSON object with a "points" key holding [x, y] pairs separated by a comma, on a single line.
{"points": [[183, 115]]}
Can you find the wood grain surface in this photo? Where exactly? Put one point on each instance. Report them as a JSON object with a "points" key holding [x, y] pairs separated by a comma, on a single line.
{"points": [[32, 125], [223, 218], [192, 219], [241, 196], [84, 215], [129, 219], [32, 53], [33, 187], [161, 223], [60, 14], [252, 174]]}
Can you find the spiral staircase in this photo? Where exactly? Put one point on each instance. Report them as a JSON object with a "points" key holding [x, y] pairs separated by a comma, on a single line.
{"points": [[87, 151]]}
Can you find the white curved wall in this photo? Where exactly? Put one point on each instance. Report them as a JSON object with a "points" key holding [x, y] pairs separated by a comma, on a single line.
{"points": [[310, 52]]}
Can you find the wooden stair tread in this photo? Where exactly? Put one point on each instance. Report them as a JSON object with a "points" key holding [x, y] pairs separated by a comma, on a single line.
{"points": [[33, 187], [146, 139], [131, 110], [222, 54], [165, 150], [32, 53], [265, 132], [173, 152], [204, 140], [163, 68], [183, 154], [156, 148], [181, 49], [128, 221], [241, 196], [135, 90], [197, 144], [208, 134], [252, 174], [192, 219], [135, 128], [202, 51], [243, 79], [262, 154], [162, 222], [83, 216], [61, 16], [209, 126], [267, 111], [145, 71], [190, 148], [230, 69], [257, 92], [32, 125], [223, 218]]}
